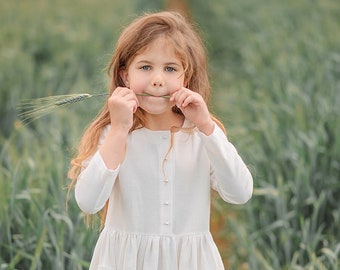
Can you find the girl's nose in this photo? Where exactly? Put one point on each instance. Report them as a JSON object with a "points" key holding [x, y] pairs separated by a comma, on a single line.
{"points": [[158, 81]]}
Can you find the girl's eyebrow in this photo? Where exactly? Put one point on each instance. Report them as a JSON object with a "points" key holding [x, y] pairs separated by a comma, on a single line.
{"points": [[172, 64], [165, 64]]}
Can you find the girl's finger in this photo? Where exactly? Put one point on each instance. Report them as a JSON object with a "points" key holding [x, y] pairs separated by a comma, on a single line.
{"points": [[121, 91], [180, 97], [189, 99]]}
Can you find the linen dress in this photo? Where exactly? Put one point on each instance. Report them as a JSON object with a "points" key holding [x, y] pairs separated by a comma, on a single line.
{"points": [[159, 199]]}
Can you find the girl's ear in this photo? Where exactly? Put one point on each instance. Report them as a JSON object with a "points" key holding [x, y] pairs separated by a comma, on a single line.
{"points": [[124, 76]]}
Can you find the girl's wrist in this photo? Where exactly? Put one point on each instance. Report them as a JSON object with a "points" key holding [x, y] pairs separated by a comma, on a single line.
{"points": [[207, 128], [118, 132], [113, 148], [120, 128]]}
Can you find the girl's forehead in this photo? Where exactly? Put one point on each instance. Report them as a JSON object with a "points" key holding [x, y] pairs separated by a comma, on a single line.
{"points": [[160, 46]]}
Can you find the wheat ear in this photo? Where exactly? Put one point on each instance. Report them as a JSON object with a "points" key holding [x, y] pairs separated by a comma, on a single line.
{"points": [[33, 109], [30, 110]]}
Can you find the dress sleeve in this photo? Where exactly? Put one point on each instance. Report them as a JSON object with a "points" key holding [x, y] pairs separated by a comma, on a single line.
{"points": [[94, 184], [230, 177]]}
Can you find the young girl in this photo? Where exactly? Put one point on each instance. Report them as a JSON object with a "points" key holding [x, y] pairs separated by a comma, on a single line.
{"points": [[152, 155]]}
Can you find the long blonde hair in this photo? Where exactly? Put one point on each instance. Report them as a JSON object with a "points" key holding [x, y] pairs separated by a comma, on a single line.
{"points": [[135, 38]]}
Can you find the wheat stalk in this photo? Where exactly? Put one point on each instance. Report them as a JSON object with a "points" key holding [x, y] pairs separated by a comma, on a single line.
{"points": [[149, 95], [33, 109]]}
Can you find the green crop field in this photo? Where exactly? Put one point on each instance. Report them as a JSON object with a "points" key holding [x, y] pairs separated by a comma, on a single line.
{"points": [[275, 71]]}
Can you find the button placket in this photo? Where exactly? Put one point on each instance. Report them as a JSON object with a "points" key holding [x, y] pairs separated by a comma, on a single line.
{"points": [[166, 191]]}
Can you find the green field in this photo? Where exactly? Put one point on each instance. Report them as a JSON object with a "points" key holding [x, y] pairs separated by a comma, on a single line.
{"points": [[275, 71]]}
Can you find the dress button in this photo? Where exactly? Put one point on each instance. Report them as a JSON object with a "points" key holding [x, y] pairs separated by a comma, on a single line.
{"points": [[166, 203], [164, 137], [166, 180], [166, 223]]}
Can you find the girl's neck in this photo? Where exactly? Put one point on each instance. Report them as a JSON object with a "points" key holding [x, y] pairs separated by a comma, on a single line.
{"points": [[163, 122]]}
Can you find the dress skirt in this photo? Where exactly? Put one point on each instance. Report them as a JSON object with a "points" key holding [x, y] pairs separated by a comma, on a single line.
{"points": [[132, 251]]}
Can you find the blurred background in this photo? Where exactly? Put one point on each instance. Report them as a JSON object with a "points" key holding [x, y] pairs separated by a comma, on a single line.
{"points": [[275, 71]]}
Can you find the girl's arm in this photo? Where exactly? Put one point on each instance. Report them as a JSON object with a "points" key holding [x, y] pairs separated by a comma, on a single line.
{"points": [[122, 104], [229, 175], [95, 183]]}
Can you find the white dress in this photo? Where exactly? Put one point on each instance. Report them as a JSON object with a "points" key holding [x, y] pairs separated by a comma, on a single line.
{"points": [[159, 199]]}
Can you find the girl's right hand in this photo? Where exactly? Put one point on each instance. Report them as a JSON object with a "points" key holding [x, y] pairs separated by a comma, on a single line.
{"points": [[122, 104]]}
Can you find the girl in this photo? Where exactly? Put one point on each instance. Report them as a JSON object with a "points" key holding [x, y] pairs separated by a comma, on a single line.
{"points": [[151, 156]]}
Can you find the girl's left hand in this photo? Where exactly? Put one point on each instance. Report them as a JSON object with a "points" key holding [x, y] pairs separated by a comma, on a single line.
{"points": [[194, 109]]}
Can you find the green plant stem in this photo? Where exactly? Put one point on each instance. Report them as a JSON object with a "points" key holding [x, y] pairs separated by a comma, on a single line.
{"points": [[149, 95]]}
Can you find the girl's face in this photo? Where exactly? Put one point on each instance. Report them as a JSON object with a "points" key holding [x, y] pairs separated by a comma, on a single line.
{"points": [[156, 71]]}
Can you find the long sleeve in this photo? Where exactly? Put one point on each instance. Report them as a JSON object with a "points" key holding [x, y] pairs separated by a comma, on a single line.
{"points": [[229, 175], [95, 182], [94, 185]]}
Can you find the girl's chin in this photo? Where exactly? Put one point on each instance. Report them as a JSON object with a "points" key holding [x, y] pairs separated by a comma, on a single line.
{"points": [[155, 105], [156, 109]]}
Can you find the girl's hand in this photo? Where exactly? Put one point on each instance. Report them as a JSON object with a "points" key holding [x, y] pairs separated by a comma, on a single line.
{"points": [[194, 109], [123, 103]]}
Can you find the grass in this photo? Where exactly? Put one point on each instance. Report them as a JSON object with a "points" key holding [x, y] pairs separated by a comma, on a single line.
{"points": [[279, 95], [275, 68]]}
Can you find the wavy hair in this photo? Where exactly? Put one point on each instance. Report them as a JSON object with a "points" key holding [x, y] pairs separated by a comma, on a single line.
{"points": [[135, 38]]}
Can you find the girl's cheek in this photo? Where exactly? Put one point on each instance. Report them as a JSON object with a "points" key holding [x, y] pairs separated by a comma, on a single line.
{"points": [[137, 88], [176, 86]]}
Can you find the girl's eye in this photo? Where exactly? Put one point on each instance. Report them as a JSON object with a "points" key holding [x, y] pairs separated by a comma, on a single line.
{"points": [[170, 69], [145, 68]]}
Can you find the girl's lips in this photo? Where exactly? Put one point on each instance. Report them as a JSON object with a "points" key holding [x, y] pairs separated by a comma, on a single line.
{"points": [[149, 95]]}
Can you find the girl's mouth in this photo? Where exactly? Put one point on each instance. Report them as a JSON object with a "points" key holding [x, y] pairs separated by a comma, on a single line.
{"points": [[149, 95]]}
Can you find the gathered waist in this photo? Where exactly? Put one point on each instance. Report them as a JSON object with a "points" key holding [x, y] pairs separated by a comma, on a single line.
{"points": [[112, 230]]}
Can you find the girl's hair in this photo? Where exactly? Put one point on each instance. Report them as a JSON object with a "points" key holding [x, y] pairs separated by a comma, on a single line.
{"points": [[179, 34]]}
